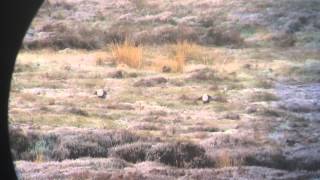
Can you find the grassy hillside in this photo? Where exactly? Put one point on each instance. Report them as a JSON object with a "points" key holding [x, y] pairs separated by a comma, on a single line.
{"points": [[92, 24]]}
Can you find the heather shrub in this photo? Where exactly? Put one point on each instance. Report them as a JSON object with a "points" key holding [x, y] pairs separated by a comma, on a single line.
{"points": [[18, 142], [222, 37], [134, 152], [186, 155], [59, 146]]}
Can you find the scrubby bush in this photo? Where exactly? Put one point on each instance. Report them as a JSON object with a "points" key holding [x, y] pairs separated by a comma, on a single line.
{"points": [[225, 158], [42, 149], [18, 142], [71, 145], [25, 67], [33, 146], [92, 144], [219, 36], [284, 39], [186, 155], [163, 34], [271, 159], [85, 148], [68, 36], [134, 152], [263, 96]]}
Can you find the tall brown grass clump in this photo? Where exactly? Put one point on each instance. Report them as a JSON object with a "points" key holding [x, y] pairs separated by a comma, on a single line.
{"points": [[174, 64], [127, 53], [182, 51], [180, 59], [189, 50]]}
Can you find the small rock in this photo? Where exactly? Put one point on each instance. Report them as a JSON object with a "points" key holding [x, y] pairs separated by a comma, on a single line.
{"points": [[116, 74], [213, 88], [150, 82], [101, 93], [77, 111], [133, 75], [184, 97], [157, 113], [204, 74], [251, 109], [166, 69], [121, 106], [67, 67], [232, 116], [291, 142], [177, 82], [247, 66]]}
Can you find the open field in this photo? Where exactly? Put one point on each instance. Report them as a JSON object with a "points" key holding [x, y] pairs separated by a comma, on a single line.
{"points": [[155, 65]]}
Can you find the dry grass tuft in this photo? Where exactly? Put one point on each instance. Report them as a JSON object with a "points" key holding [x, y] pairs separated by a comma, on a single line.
{"points": [[165, 65], [225, 160], [180, 59], [99, 62], [173, 65], [100, 59], [182, 52], [140, 4], [39, 158], [127, 53], [187, 49]]}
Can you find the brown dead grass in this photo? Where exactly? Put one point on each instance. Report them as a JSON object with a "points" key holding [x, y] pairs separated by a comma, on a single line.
{"points": [[39, 158], [160, 63], [182, 52], [187, 49], [101, 58], [180, 59], [175, 64], [127, 53], [225, 160]]}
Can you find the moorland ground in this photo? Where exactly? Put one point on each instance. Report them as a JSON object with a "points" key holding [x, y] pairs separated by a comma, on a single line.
{"points": [[259, 62]]}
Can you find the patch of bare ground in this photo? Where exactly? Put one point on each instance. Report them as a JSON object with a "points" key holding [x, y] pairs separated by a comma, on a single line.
{"points": [[202, 74], [149, 82]]}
